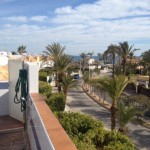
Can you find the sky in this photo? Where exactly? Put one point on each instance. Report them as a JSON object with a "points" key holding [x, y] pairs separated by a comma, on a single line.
{"points": [[80, 25]]}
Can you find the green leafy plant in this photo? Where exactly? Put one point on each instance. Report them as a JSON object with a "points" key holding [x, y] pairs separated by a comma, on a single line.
{"points": [[45, 89], [43, 76], [89, 134], [56, 102]]}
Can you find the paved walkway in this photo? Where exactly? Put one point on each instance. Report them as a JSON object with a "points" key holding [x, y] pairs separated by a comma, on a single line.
{"points": [[78, 101]]}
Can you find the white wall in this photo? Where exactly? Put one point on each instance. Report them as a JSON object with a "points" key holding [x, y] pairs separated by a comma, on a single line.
{"points": [[4, 103], [37, 133], [14, 109]]}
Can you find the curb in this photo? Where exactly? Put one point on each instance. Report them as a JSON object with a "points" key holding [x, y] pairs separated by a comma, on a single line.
{"points": [[97, 101]]}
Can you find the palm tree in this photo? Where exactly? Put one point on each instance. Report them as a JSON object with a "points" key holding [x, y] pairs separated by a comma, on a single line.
{"points": [[146, 59], [99, 56], [83, 56], [112, 49], [114, 87], [86, 79], [131, 56], [124, 50], [98, 87], [90, 54], [54, 51], [124, 115], [21, 49], [61, 66], [67, 83]]}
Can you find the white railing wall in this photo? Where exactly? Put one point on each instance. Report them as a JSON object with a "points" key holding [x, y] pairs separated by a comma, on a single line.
{"points": [[38, 136], [4, 103]]}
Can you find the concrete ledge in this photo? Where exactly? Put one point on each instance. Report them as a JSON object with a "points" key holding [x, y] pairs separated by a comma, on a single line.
{"points": [[58, 136]]}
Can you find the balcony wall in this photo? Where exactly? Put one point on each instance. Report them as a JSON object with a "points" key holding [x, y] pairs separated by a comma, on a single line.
{"points": [[4, 102], [44, 130]]}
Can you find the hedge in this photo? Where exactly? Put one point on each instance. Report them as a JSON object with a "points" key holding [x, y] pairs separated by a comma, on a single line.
{"points": [[56, 102], [89, 134], [45, 89], [42, 76]]}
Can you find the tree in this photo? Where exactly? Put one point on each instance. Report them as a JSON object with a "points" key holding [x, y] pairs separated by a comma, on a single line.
{"points": [[114, 87], [54, 51], [124, 50], [14, 53], [124, 115], [146, 59], [67, 83], [99, 56], [21, 49], [61, 65], [83, 56], [90, 54], [112, 49]]}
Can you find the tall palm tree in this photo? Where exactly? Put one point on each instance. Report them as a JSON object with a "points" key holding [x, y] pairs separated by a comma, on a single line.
{"points": [[124, 115], [21, 49], [99, 56], [61, 66], [146, 59], [131, 56], [114, 87], [54, 51], [90, 54], [112, 49], [124, 50], [83, 56], [67, 83]]}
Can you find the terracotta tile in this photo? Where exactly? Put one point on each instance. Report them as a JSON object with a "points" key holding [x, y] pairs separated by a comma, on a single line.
{"points": [[57, 134]]}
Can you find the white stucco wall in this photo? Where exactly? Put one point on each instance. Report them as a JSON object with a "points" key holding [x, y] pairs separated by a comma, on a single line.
{"points": [[14, 109], [37, 133], [4, 103]]}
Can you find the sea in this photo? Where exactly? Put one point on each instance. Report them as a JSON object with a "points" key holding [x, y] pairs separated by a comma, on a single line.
{"points": [[77, 58]]}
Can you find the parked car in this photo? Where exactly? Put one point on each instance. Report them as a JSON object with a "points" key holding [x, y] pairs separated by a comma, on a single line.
{"points": [[76, 76]]}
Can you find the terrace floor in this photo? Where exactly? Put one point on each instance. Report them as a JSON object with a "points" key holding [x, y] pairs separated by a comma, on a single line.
{"points": [[11, 134]]}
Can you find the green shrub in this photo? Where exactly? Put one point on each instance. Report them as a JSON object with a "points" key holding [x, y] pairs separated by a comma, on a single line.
{"points": [[43, 76], [118, 146], [89, 134], [45, 89], [56, 102]]}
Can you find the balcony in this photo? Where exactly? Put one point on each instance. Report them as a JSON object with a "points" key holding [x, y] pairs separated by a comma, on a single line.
{"points": [[42, 130]]}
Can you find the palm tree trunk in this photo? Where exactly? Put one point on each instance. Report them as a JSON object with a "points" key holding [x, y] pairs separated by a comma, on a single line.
{"points": [[113, 65], [65, 92], [113, 111], [56, 79], [149, 79], [124, 66], [83, 67]]}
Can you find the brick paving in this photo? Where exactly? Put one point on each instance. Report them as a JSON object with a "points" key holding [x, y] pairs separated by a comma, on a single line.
{"points": [[11, 134]]}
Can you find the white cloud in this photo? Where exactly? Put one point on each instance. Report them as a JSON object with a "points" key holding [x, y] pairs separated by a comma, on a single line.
{"points": [[16, 18], [39, 18], [84, 27]]}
